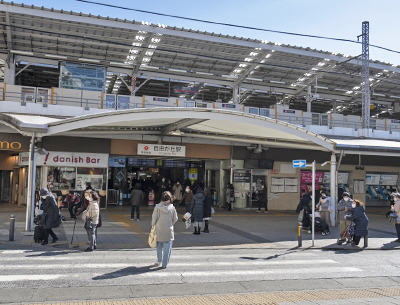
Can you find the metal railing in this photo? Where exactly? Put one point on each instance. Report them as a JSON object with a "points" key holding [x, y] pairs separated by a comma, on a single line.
{"points": [[304, 120]]}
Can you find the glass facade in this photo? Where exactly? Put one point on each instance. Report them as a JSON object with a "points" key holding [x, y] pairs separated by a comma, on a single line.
{"points": [[82, 77]]}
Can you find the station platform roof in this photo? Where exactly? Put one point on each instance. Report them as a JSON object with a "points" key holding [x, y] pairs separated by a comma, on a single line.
{"points": [[164, 56]]}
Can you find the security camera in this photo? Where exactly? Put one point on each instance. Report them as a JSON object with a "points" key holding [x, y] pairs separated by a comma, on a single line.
{"points": [[325, 163]]}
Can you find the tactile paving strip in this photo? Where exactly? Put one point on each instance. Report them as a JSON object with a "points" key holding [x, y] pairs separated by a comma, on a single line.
{"points": [[271, 298]]}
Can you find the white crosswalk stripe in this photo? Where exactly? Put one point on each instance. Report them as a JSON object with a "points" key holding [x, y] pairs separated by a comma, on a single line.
{"points": [[23, 268]]}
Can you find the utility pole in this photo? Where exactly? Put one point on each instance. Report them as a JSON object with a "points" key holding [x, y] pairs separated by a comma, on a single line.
{"points": [[366, 97]]}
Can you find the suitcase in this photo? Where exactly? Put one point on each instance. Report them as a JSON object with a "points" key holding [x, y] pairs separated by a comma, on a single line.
{"points": [[38, 235]]}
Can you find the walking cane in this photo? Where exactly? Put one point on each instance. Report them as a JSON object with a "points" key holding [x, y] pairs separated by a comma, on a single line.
{"points": [[73, 231]]}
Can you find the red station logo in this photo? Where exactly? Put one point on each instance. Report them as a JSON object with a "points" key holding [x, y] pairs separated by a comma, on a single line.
{"points": [[146, 148]]}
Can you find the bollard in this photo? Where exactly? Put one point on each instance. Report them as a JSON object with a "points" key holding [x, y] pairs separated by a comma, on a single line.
{"points": [[366, 241], [11, 231], [300, 236]]}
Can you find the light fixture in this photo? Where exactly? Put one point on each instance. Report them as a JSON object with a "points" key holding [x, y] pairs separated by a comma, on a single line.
{"points": [[176, 132], [89, 60], [56, 56]]}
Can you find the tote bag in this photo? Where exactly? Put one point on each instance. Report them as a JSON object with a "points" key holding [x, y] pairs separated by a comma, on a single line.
{"points": [[153, 237]]}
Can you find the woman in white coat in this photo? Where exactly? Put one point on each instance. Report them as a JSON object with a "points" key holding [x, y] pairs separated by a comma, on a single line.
{"points": [[164, 217]]}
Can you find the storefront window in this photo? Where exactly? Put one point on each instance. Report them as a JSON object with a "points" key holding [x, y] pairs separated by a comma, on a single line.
{"points": [[95, 176], [61, 178]]}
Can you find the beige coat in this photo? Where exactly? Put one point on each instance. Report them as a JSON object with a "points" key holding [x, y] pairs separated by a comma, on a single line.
{"points": [[164, 218], [93, 211], [177, 188]]}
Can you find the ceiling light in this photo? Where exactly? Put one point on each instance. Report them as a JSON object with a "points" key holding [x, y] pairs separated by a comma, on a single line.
{"points": [[177, 70], [321, 87], [256, 79], [253, 53], [133, 51], [248, 59], [176, 133], [349, 92], [140, 38], [146, 59], [338, 89], [55, 56], [21, 52], [136, 44], [268, 55], [242, 66], [237, 70], [149, 53], [88, 59], [155, 40], [204, 73], [378, 94], [152, 46], [276, 82]]}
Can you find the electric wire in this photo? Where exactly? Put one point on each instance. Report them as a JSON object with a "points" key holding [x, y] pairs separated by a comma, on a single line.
{"points": [[235, 25]]}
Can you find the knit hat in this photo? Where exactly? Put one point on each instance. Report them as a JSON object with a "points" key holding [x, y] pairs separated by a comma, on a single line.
{"points": [[44, 192]]}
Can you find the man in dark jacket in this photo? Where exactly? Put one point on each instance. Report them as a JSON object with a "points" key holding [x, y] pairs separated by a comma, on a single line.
{"points": [[136, 201], [187, 198], [304, 204], [263, 199], [196, 209], [50, 218]]}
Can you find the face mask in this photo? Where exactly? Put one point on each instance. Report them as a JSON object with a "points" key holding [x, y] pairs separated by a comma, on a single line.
{"points": [[43, 197], [353, 205], [163, 180], [187, 190], [262, 187], [177, 183], [323, 200], [346, 199], [87, 198]]}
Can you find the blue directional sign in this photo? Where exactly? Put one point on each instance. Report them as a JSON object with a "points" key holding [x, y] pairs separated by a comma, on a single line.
{"points": [[299, 163]]}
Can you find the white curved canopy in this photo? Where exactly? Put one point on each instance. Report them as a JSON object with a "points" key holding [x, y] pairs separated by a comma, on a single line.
{"points": [[192, 122]]}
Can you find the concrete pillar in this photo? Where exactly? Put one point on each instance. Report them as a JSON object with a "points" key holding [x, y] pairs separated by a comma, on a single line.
{"points": [[334, 105], [30, 194], [235, 94], [9, 72], [309, 99], [334, 187]]}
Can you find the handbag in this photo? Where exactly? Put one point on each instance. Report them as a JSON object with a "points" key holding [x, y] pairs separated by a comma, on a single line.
{"points": [[352, 229], [153, 237], [393, 218], [88, 223], [83, 215]]}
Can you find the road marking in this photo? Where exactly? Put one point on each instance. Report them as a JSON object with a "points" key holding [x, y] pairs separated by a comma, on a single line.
{"points": [[206, 264], [29, 277]]}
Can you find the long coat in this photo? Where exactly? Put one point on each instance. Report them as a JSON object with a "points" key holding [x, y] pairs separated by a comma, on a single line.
{"points": [[360, 220], [164, 218], [196, 207], [137, 197], [84, 207], [177, 188], [50, 218], [207, 207]]}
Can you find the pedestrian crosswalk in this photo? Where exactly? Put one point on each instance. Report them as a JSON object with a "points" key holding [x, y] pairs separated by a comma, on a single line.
{"points": [[66, 268]]}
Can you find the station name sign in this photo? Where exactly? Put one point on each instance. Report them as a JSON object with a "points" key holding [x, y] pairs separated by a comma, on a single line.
{"points": [[161, 150], [54, 158]]}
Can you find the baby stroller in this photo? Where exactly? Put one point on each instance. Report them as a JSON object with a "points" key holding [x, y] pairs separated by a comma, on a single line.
{"points": [[320, 224]]}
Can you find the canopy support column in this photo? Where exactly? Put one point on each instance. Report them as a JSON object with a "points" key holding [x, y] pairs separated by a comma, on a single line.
{"points": [[334, 187], [30, 200]]}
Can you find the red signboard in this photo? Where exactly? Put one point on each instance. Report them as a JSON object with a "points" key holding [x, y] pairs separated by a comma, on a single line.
{"points": [[306, 177]]}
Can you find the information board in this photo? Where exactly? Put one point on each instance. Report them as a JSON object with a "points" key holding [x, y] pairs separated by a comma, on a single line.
{"points": [[306, 177], [373, 179], [388, 180], [343, 178]]}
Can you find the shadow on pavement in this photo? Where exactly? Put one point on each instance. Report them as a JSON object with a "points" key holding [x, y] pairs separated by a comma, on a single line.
{"points": [[392, 245], [128, 271], [289, 251]]}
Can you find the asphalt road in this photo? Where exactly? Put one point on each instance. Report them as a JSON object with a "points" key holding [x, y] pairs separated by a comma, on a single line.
{"points": [[53, 275]]}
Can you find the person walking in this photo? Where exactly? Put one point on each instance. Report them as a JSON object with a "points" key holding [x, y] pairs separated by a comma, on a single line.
{"points": [[136, 201], [196, 209], [51, 216], [344, 207], [91, 204], [396, 208], [324, 208], [207, 209], [164, 217], [360, 221], [177, 190], [304, 204], [187, 198], [263, 199], [230, 196]]}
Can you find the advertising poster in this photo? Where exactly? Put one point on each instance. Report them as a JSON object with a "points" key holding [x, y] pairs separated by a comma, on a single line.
{"points": [[306, 177]]}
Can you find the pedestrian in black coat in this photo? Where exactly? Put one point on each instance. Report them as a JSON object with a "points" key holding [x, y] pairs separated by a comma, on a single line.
{"points": [[51, 215], [263, 199], [207, 209], [360, 220], [196, 209]]}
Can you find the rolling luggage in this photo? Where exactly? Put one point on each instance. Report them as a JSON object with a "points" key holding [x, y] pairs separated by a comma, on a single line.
{"points": [[38, 235]]}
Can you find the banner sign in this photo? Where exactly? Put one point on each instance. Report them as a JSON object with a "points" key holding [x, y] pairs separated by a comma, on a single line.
{"points": [[65, 159], [185, 89], [160, 99], [161, 150], [242, 176], [306, 177]]}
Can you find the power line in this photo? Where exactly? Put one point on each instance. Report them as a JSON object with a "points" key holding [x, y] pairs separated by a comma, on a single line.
{"points": [[235, 25]]}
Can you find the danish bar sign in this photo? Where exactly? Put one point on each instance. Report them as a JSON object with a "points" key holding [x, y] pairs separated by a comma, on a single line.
{"points": [[161, 150], [53, 158]]}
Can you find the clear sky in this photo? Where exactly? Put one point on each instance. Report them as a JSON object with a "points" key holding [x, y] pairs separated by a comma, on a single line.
{"points": [[339, 18]]}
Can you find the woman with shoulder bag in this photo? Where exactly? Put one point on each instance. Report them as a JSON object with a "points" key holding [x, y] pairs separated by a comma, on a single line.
{"points": [[360, 220], [50, 218], [164, 217], [93, 221]]}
